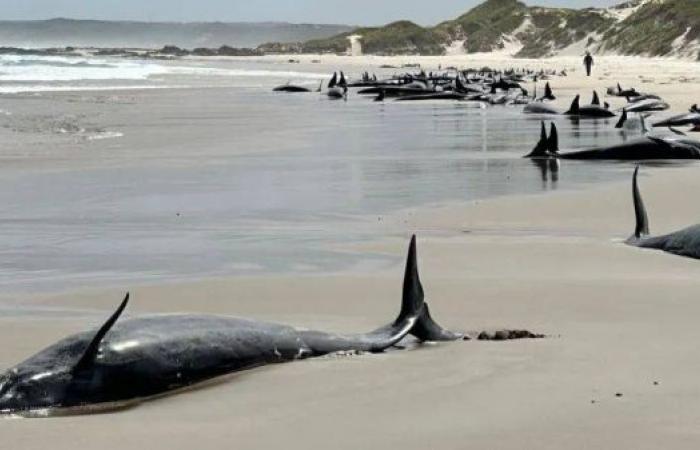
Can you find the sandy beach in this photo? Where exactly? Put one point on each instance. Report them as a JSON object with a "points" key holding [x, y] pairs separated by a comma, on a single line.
{"points": [[618, 368]]}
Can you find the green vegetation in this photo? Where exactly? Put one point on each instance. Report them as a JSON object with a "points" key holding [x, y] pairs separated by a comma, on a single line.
{"points": [[483, 26], [651, 30], [398, 38], [555, 29]]}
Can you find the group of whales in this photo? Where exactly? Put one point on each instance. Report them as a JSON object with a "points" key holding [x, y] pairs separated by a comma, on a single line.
{"points": [[488, 86], [646, 147], [130, 360], [126, 361], [482, 85]]}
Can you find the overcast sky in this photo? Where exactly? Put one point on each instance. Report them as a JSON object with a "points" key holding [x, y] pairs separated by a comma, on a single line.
{"points": [[355, 12]]}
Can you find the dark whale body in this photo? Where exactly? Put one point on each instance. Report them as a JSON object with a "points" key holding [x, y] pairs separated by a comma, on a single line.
{"points": [[540, 108], [434, 96], [588, 111], [685, 242], [644, 148], [291, 88], [143, 357]]}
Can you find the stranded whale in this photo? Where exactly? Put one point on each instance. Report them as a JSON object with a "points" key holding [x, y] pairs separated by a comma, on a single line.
{"points": [[685, 242], [139, 358], [644, 148]]}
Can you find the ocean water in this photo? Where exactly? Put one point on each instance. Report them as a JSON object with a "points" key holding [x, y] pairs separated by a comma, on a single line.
{"points": [[239, 180]]}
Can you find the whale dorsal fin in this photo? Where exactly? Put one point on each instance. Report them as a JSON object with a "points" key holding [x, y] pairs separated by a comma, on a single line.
{"points": [[413, 296], [640, 212], [426, 329], [90, 354], [540, 149], [575, 107], [543, 132], [596, 99], [548, 94], [553, 140]]}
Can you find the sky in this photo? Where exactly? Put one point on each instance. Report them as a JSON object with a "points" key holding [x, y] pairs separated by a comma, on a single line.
{"points": [[362, 12]]}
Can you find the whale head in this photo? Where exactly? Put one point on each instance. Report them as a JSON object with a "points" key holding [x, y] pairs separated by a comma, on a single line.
{"points": [[61, 376], [24, 389]]}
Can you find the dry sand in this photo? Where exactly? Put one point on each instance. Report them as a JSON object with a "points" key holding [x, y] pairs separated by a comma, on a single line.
{"points": [[677, 81], [621, 321]]}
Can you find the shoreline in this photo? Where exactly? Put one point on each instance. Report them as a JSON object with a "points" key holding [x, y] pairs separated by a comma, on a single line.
{"points": [[619, 367], [460, 220], [613, 323]]}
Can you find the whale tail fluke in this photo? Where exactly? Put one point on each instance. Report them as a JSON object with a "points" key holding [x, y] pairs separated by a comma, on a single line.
{"points": [[640, 212]]}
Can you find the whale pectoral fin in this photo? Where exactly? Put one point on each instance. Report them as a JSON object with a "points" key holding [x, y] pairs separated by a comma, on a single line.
{"points": [[90, 353], [623, 119], [661, 142], [640, 212], [426, 329], [678, 132]]}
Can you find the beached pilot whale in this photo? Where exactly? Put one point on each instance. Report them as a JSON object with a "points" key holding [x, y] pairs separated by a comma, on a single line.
{"points": [[143, 357], [293, 88], [594, 110], [644, 148], [685, 242]]}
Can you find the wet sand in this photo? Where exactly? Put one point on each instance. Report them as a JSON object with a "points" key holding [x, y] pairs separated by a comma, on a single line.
{"points": [[621, 321]]}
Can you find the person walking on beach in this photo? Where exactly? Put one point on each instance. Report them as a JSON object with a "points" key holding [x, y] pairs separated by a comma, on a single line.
{"points": [[588, 62]]}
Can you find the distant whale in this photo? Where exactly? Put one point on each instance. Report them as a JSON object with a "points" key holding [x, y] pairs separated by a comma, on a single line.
{"points": [[690, 118], [540, 108], [685, 242], [148, 356], [291, 88], [592, 111]]}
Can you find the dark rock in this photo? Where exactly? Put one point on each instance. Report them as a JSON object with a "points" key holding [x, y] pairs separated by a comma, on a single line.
{"points": [[508, 335]]}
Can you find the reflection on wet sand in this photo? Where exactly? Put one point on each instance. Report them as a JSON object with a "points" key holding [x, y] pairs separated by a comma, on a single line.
{"points": [[549, 172]]}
